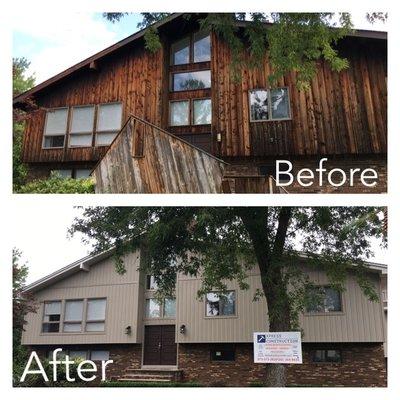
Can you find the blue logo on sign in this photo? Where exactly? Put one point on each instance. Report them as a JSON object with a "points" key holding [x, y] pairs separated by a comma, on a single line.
{"points": [[260, 338]]}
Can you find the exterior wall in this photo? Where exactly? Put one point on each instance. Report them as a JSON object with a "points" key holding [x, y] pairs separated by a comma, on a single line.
{"points": [[102, 280], [360, 321], [362, 365], [42, 171], [341, 113]]}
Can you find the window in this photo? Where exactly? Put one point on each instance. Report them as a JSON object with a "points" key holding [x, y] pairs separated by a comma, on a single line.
{"points": [[81, 130], [52, 316], [223, 353], [325, 299], [99, 355], [192, 49], [180, 52], [220, 304], [201, 47], [201, 111], [179, 113], [78, 354], [151, 283], [269, 105], [169, 308], [191, 80], [82, 173], [73, 316], [95, 315], [327, 356], [62, 173], [153, 308], [55, 128], [109, 121]]}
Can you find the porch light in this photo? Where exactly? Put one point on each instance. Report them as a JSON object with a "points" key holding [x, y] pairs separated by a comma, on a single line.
{"points": [[128, 330], [182, 329]]}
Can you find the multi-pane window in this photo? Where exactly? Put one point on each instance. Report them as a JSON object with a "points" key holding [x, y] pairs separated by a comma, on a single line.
{"points": [[327, 356], [191, 80], [220, 304], [95, 315], [269, 104], [81, 130], [192, 49], [55, 128], [52, 316], [165, 309], [73, 316], [109, 119], [74, 319], [194, 112], [324, 299]]}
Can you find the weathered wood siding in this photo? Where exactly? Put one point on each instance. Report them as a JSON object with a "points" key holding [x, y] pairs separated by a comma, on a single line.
{"points": [[341, 113], [131, 76], [146, 159]]}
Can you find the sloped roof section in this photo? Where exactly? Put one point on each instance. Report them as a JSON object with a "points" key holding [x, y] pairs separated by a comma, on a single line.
{"points": [[368, 34]]}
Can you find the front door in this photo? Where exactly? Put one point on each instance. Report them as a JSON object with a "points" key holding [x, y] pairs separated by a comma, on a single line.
{"points": [[159, 345]]}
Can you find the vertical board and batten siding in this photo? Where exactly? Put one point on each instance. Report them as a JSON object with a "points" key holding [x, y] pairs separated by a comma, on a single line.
{"points": [[361, 321], [132, 76], [167, 165], [341, 113], [102, 280]]}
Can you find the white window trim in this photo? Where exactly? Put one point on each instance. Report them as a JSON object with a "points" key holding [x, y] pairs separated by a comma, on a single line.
{"points": [[270, 119]]}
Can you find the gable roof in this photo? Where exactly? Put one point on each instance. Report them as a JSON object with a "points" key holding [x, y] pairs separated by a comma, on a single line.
{"points": [[368, 34]]}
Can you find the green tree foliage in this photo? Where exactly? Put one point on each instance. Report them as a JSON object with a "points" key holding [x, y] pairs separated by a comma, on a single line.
{"points": [[295, 41], [22, 304], [57, 184], [21, 83], [223, 243]]}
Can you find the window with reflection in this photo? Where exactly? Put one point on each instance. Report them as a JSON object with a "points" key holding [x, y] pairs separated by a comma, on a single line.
{"points": [[179, 113], [180, 52], [169, 308], [153, 308], [269, 104], [220, 304], [191, 80], [201, 111], [201, 47], [324, 299], [191, 49]]}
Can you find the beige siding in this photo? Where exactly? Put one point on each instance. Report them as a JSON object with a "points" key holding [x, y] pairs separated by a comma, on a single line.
{"points": [[360, 321], [102, 280]]}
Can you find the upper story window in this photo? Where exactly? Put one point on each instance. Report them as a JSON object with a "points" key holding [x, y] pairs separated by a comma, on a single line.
{"points": [[151, 283], [192, 49], [81, 130], [72, 319], [51, 316], [103, 120], [155, 309], [331, 301], [194, 80], [221, 304], [190, 112], [269, 104], [55, 128]]}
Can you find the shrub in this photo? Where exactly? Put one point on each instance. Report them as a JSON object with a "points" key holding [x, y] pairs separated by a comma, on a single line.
{"points": [[57, 184]]}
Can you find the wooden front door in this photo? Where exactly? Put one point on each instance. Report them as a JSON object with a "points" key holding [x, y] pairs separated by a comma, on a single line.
{"points": [[159, 345]]}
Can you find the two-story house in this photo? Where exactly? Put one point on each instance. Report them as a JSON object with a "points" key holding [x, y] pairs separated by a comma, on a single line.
{"points": [[91, 311], [176, 121]]}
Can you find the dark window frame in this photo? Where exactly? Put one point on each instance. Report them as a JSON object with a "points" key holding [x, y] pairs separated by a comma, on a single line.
{"points": [[191, 37], [323, 312], [228, 349], [234, 315], [190, 113], [325, 358]]}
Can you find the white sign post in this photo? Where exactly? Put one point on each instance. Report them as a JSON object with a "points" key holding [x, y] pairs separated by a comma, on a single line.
{"points": [[277, 348]]}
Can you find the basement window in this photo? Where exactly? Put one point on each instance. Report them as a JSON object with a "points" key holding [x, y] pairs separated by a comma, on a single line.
{"points": [[221, 304], [51, 317], [82, 123], [269, 104], [55, 128], [326, 356], [109, 121], [99, 355], [223, 353]]}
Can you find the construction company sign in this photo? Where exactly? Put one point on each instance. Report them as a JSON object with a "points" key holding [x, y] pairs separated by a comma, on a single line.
{"points": [[277, 348]]}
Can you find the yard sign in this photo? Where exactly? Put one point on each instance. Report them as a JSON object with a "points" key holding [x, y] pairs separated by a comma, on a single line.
{"points": [[277, 348]]}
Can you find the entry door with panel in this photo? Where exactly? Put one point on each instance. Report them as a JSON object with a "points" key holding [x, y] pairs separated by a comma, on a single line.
{"points": [[159, 345]]}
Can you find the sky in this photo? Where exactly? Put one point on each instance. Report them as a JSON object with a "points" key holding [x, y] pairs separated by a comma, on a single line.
{"points": [[52, 250], [55, 44]]}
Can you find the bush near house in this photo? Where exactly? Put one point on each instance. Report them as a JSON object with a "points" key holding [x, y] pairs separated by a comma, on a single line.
{"points": [[58, 185]]}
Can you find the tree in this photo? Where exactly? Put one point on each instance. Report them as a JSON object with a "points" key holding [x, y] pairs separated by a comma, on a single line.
{"points": [[222, 243], [295, 41], [21, 83], [22, 304]]}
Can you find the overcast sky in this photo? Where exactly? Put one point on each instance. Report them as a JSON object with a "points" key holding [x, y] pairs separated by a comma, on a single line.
{"points": [[54, 44], [40, 232]]}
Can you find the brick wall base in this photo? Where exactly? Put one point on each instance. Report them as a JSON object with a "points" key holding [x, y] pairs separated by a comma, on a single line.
{"points": [[362, 365]]}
